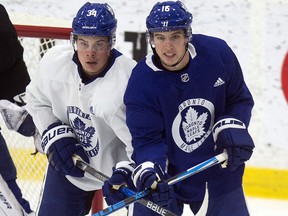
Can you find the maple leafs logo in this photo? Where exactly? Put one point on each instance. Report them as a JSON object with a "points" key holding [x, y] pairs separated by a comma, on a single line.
{"points": [[84, 134], [194, 125]]}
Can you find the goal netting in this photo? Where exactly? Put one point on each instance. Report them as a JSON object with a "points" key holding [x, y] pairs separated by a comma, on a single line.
{"points": [[36, 40]]}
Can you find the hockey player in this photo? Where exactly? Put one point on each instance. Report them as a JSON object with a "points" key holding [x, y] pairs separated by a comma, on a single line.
{"points": [[76, 101], [186, 102], [13, 80]]}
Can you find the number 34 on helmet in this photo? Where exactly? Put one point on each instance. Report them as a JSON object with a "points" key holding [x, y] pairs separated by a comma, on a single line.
{"points": [[95, 19]]}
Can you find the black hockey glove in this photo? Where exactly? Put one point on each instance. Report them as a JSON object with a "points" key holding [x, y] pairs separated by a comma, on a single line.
{"points": [[121, 176], [150, 175], [231, 134], [59, 143]]}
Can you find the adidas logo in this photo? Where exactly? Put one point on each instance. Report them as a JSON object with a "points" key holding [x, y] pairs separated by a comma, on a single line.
{"points": [[219, 82]]}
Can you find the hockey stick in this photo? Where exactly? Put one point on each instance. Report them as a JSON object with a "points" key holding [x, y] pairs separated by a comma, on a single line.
{"points": [[171, 181], [126, 191]]}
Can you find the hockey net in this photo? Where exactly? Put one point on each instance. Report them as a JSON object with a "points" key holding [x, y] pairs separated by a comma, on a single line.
{"points": [[36, 40]]}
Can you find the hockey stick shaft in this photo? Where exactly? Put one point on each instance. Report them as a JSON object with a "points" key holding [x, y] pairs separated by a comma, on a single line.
{"points": [[198, 168], [173, 180], [126, 191]]}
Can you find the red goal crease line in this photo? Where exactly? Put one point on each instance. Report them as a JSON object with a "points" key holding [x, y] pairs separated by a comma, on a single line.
{"points": [[43, 31]]}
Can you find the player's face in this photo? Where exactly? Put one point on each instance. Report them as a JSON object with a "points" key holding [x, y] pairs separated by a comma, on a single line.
{"points": [[93, 53], [171, 47]]}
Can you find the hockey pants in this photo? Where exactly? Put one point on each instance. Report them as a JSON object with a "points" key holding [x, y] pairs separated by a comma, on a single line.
{"points": [[60, 197]]}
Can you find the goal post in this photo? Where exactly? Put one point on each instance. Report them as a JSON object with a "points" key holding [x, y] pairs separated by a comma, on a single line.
{"points": [[36, 40], [43, 32]]}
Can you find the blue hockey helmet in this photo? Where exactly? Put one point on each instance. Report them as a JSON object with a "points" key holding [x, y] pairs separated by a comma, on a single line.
{"points": [[95, 19], [169, 16]]}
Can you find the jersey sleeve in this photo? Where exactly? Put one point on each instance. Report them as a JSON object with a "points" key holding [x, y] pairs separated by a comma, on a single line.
{"points": [[38, 104], [39, 107], [121, 130], [144, 121], [239, 101], [14, 76]]}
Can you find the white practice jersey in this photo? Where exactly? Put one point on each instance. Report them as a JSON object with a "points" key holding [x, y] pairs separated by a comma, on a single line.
{"points": [[94, 110]]}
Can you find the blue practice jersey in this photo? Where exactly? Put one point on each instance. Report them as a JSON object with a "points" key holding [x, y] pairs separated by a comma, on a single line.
{"points": [[170, 114]]}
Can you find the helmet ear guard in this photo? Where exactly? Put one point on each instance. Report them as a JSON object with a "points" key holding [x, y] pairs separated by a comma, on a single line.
{"points": [[73, 39], [149, 38], [188, 33]]}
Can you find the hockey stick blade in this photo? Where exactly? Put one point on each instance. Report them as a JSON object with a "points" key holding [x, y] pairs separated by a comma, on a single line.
{"points": [[173, 180], [204, 207], [102, 177]]}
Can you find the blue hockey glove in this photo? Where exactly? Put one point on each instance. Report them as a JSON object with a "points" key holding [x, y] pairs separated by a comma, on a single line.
{"points": [[150, 175], [59, 143], [111, 195], [121, 176], [231, 134], [163, 194]]}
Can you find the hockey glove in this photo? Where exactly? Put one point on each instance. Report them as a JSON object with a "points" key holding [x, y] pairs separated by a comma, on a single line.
{"points": [[231, 134], [121, 176], [17, 118], [59, 143], [150, 175]]}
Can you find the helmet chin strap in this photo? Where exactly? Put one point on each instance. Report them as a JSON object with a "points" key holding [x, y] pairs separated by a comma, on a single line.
{"points": [[173, 65]]}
